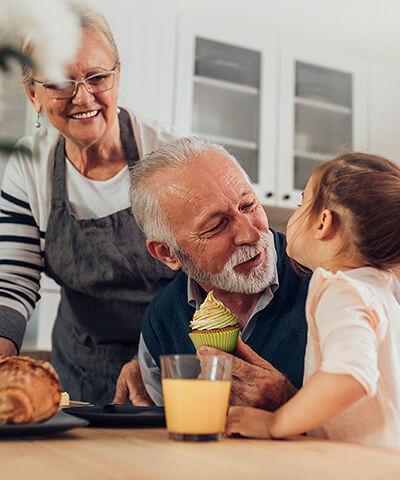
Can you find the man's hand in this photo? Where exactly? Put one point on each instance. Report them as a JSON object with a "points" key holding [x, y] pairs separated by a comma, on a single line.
{"points": [[130, 386], [255, 382], [249, 422], [7, 347]]}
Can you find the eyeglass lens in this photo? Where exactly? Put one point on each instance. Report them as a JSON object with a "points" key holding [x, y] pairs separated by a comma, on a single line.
{"points": [[98, 83]]}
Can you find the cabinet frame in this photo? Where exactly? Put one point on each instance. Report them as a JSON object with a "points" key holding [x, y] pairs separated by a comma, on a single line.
{"points": [[287, 195], [188, 30]]}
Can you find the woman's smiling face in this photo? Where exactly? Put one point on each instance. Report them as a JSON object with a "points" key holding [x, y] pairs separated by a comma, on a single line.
{"points": [[86, 118]]}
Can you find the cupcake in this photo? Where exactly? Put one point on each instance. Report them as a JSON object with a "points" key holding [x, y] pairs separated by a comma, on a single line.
{"points": [[214, 325]]}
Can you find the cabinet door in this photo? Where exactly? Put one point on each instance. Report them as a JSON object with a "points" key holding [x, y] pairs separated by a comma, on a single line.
{"points": [[384, 108], [322, 111], [226, 93]]}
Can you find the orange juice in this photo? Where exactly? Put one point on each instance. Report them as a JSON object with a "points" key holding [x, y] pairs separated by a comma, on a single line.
{"points": [[194, 406]]}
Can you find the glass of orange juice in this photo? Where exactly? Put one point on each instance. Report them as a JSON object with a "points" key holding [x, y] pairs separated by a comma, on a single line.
{"points": [[196, 396]]}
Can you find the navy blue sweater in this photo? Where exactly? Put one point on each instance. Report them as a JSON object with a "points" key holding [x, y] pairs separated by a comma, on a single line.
{"points": [[279, 335]]}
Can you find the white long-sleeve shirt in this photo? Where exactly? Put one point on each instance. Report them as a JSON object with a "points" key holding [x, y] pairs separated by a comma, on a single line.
{"points": [[25, 208], [354, 329]]}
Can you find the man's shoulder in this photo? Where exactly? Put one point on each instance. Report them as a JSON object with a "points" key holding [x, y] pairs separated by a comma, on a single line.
{"points": [[171, 298], [280, 242]]}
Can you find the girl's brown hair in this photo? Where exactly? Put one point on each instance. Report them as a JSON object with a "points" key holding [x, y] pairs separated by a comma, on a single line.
{"points": [[367, 188]]}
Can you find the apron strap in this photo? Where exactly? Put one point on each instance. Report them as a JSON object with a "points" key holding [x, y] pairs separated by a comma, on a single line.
{"points": [[58, 183], [128, 138]]}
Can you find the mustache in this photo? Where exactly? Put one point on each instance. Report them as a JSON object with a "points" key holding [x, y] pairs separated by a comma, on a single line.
{"points": [[247, 252]]}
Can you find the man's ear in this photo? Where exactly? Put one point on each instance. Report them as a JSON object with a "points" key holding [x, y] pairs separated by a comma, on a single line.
{"points": [[162, 253], [33, 98], [325, 226]]}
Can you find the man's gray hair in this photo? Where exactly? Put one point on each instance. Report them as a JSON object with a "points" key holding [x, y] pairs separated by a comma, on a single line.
{"points": [[144, 201]]}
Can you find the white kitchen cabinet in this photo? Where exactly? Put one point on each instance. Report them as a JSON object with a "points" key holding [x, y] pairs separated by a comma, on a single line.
{"points": [[281, 110], [384, 111], [226, 93], [323, 109]]}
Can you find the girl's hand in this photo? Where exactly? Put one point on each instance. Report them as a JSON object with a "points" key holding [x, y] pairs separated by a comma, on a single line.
{"points": [[249, 422]]}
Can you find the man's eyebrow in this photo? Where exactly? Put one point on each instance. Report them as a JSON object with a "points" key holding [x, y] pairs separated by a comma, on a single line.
{"points": [[219, 213]]}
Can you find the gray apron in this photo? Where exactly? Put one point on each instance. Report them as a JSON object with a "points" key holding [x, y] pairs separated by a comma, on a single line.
{"points": [[107, 279]]}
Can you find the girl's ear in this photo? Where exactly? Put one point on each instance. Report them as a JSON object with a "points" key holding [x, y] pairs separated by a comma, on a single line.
{"points": [[162, 253], [325, 227]]}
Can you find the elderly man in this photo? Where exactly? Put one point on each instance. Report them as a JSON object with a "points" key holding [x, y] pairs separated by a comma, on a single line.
{"points": [[200, 215]]}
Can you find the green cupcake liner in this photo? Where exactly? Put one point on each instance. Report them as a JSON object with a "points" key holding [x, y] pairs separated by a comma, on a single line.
{"points": [[226, 341]]}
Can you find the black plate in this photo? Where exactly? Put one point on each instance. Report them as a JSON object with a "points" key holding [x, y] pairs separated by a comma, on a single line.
{"points": [[120, 415], [59, 423]]}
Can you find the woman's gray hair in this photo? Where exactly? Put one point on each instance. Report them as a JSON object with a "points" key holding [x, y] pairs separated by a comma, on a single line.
{"points": [[90, 20], [144, 201]]}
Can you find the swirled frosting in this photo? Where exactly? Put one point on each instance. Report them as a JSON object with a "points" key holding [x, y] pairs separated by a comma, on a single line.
{"points": [[212, 314]]}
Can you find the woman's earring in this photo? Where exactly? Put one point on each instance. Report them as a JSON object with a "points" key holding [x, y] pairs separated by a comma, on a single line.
{"points": [[118, 110], [37, 123]]}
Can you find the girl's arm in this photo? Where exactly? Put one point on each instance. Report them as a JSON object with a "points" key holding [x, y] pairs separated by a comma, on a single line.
{"points": [[323, 397], [349, 370]]}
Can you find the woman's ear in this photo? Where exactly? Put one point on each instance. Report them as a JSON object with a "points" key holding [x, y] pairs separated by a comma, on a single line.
{"points": [[31, 92], [161, 252], [325, 227]]}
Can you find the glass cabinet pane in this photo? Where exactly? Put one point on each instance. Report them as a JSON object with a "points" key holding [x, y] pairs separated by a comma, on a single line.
{"points": [[226, 99], [248, 158], [323, 117], [226, 113], [321, 131], [227, 62], [324, 84]]}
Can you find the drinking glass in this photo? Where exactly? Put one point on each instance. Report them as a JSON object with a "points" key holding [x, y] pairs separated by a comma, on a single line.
{"points": [[196, 396]]}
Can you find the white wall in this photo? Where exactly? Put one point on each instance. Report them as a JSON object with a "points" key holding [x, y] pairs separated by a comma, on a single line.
{"points": [[145, 33], [369, 28]]}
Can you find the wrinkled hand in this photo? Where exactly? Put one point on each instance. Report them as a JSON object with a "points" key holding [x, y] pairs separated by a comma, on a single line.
{"points": [[130, 386], [249, 422], [255, 382]]}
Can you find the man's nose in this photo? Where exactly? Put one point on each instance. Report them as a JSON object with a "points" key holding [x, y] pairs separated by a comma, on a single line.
{"points": [[246, 233], [82, 96]]}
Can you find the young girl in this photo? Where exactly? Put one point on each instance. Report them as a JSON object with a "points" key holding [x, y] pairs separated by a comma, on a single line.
{"points": [[347, 231]]}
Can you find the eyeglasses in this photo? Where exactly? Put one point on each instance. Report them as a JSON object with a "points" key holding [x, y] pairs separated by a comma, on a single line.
{"points": [[97, 83]]}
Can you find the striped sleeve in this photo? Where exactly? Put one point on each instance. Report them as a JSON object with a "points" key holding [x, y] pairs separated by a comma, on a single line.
{"points": [[21, 259]]}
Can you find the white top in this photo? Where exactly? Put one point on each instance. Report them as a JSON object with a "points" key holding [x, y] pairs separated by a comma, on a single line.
{"points": [[25, 208], [89, 198], [354, 329]]}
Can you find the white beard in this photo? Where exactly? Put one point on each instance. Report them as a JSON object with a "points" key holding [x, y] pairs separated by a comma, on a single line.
{"points": [[228, 279]]}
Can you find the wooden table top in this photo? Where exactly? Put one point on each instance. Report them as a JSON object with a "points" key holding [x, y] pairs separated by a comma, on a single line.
{"points": [[95, 453]]}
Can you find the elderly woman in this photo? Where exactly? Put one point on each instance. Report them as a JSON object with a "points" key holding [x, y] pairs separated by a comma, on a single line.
{"points": [[66, 211]]}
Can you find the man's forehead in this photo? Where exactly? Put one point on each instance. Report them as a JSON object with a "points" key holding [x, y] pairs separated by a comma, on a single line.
{"points": [[200, 189], [207, 176]]}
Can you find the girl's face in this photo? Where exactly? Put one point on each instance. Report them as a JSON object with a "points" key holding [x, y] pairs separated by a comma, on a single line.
{"points": [[301, 244]]}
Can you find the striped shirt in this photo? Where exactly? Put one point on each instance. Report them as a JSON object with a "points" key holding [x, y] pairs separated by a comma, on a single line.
{"points": [[24, 211]]}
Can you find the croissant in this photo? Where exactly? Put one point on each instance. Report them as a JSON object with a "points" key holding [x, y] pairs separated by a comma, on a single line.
{"points": [[30, 390]]}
